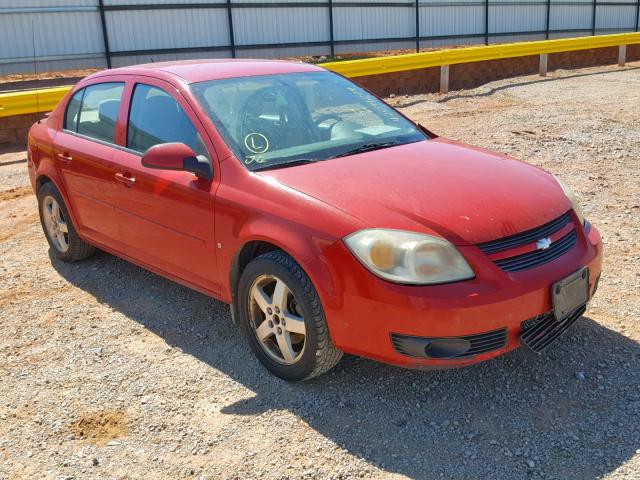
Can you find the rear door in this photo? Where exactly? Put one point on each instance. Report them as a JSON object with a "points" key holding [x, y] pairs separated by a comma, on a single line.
{"points": [[85, 153], [166, 217]]}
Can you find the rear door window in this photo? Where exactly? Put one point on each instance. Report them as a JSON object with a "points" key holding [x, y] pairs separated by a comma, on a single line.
{"points": [[94, 110]]}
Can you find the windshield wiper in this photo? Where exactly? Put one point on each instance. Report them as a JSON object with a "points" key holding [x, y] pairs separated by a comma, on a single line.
{"points": [[290, 163], [367, 147]]}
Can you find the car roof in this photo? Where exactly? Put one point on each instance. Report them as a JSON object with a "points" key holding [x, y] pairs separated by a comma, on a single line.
{"points": [[193, 71]]}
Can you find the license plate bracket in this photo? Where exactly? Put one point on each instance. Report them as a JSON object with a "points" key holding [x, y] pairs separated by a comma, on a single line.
{"points": [[570, 293]]}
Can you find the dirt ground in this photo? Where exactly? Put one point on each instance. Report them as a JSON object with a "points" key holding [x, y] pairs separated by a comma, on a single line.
{"points": [[108, 371]]}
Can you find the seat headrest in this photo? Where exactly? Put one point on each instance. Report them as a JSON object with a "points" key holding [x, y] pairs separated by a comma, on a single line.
{"points": [[160, 105], [108, 110]]}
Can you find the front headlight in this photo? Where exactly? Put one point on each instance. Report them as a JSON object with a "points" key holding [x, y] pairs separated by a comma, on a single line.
{"points": [[572, 198], [407, 257]]}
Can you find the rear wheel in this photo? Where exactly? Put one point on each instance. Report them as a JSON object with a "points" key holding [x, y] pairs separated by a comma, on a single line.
{"points": [[283, 320], [58, 228]]}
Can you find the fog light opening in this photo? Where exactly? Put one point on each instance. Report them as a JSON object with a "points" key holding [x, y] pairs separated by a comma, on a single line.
{"points": [[447, 348]]}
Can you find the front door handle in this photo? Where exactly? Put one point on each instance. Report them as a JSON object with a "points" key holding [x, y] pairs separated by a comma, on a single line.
{"points": [[125, 179], [64, 157]]}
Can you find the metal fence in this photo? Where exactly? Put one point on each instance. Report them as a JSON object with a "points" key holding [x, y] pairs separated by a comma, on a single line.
{"points": [[98, 33]]}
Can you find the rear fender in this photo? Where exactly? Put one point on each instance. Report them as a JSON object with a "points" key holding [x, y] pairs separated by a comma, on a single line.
{"points": [[47, 168]]}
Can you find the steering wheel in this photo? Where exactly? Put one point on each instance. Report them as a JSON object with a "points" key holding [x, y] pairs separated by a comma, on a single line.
{"points": [[327, 116], [249, 120]]}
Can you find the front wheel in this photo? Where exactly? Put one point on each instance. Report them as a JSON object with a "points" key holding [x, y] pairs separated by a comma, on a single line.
{"points": [[282, 318]]}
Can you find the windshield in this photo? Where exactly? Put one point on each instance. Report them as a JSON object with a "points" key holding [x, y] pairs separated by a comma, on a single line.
{"points": [[271, 121]]}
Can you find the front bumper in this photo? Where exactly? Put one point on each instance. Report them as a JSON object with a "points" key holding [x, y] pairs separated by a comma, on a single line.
{"points": [[364, 312]]}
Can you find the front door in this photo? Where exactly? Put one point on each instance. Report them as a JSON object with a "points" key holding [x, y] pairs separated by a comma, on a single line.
{"points": [[85, 152], [165, 217]]}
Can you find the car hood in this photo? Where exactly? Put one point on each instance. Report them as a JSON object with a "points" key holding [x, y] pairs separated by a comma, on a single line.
{"points": [[465, 194]]}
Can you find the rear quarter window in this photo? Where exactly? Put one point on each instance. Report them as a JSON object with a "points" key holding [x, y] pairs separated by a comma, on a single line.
{"points": [[73, 111]]}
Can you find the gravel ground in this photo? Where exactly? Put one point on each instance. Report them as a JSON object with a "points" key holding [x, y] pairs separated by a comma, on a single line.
{"points": [[108, 371]]}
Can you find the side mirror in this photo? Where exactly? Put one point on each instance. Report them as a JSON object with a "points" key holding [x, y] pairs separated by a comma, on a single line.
{"points": [[177, 156]]}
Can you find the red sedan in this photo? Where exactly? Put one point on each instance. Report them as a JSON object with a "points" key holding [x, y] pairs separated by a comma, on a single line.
{"points": [[329, 221]]}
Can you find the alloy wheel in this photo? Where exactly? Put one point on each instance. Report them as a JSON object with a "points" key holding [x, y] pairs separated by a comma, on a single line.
{"points": [[55, 223], [276, 319]]}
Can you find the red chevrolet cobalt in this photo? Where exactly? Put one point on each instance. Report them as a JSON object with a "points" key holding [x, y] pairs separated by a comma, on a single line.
{"points": [[329, 221]]}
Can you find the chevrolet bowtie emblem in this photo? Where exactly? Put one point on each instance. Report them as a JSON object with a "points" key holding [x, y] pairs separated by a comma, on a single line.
{"points": [[543, 243]]}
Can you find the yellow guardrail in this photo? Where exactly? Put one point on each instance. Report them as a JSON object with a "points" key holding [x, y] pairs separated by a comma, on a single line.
{"points": [[45, 100], [414, 61], [30, 101]]}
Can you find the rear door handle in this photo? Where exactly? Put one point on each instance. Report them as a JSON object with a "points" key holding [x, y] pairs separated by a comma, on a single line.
{"points": [[64, 157], [125, 179]]}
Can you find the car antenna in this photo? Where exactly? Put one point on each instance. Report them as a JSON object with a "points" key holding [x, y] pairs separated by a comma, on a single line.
{"points": [[35, 63]]}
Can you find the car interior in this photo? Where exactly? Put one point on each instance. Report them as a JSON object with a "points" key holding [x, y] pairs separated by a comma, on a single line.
{"points": [[102, 125]]}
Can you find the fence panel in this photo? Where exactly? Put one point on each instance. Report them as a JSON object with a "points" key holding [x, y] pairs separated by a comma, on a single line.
{"points": [[449, 19], [571, 16], [55, 35], [166, 29], [616, 18], [254, 26], [507, 16]]}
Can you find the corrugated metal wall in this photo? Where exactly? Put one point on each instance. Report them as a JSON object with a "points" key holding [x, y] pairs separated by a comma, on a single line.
{"points": [[85, 33], [61, 36]]}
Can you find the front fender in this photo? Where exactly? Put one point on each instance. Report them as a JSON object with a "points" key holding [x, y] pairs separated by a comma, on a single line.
{"points": [[252, 208], [304, 249]]}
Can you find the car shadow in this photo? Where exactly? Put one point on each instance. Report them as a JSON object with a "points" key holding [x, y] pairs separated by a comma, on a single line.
{"points": [[570, 413]]}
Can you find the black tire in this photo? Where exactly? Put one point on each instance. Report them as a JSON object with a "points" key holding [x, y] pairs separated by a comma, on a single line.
{"points": [[319, 354], [78, 248]]}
